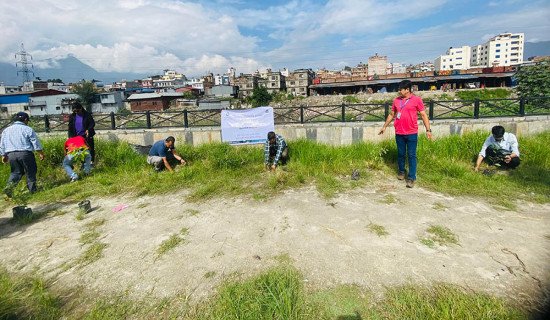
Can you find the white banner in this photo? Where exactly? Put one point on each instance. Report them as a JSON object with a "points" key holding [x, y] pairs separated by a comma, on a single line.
{"points": [[247, 126]]}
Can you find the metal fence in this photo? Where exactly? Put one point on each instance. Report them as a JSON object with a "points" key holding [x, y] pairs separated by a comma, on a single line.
{"points": [[368, 112]]}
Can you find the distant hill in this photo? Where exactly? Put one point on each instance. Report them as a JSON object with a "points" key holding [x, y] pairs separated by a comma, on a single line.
{"points": [[70, 70], [533, 49]]}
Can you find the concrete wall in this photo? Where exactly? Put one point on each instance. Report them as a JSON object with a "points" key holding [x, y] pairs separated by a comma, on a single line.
{"points": [[329, 133]]}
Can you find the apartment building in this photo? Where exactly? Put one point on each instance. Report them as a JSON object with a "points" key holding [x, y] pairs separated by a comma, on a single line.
{"points": [[273, 81], [299, 81], [246, 83], [506, 49], [360, 72], [377, 65], [455, 59]]}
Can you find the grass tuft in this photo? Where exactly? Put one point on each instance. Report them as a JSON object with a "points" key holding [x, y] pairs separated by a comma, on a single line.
{"points": [[378, 229], [442, 235]]}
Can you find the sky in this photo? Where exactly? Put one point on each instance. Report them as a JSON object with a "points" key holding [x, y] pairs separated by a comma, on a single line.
{"points": [[196, 37]]}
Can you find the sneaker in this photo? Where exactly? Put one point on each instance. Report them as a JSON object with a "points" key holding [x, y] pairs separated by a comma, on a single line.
{"points": [[75, 179], [410, 183], [401, 175]]}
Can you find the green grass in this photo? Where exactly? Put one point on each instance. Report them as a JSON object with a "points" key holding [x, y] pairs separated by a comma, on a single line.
{"points": [[377, 229], [445, 165], [26, 298], [277, 293], [442, 235], [172, 242]]}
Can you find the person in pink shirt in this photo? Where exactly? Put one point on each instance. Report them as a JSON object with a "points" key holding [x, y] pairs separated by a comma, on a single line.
{"points": [[405, 108]]}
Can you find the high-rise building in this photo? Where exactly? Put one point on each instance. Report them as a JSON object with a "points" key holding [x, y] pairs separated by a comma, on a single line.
{"points": [[455, 59], [506, 49]]}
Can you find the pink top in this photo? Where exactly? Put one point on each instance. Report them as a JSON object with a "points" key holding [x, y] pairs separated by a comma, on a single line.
{"points": [[408, 120]]}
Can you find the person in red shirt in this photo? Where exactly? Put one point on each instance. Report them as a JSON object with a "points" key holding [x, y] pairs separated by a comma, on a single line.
{"points": [[405, 108], [76, 149]]}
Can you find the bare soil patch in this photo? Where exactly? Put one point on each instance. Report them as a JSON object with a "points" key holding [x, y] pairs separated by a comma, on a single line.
{"points": [[499, 251]]}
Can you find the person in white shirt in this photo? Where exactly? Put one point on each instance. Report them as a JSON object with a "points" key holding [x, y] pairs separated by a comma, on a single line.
{"points": [[500, 149]]}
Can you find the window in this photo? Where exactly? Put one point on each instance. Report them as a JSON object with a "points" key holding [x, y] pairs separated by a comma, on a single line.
{"points": [[154, 103], [498, 44], [498, 50], [459, 58], [497, 56], [444, 60], [57, 108]]}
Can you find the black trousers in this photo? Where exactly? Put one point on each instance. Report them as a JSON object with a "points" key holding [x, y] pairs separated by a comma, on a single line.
{"points": [[22, 163]]}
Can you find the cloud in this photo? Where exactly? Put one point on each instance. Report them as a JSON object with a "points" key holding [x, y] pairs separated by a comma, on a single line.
{"points": [[125, 35]]}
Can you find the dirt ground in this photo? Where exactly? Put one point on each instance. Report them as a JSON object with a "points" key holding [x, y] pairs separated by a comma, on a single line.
{"points": [[500, 251]]}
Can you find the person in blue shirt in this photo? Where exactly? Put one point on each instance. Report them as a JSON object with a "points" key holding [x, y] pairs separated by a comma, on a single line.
{"points": [[275, 150], [159, 153], [500, 149], [17, 146]]}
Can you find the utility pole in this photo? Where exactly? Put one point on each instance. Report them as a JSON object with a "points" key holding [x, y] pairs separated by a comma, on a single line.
{"points": [[23, 65]]}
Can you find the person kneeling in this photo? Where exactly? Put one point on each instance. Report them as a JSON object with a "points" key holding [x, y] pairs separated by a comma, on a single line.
{"points": [[275, 150], [159, 153], [500, 149], [76, 151]]}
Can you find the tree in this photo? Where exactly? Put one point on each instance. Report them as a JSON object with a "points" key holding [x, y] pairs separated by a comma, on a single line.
{"points": [[533, 81], [56, 80], [347, 68], [260, 97], [86, 91]]}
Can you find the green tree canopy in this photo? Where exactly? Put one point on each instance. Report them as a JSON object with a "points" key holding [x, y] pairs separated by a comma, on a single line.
{"points": [[534, 81], [56, 80], [86, 92], [260, 97]]}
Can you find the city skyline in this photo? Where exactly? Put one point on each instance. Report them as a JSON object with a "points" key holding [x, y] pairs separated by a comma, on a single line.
{"points": [[149, 36]]}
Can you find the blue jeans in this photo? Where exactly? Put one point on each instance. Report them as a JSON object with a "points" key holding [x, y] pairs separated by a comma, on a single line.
{"points": [[68, 161], [406, 144]]}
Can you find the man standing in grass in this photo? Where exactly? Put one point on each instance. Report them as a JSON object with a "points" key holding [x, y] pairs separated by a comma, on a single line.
{"points": [[500, 149], [275, 150], [406, 108], [18, 143], [159, 153], [76, 151]]}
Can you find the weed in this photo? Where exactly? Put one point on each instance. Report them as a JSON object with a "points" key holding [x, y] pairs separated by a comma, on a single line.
{"points": [[442, 235], [209, 274], [440, 206], [92, 253], [284, 259], [89, 237], [504, 204], [170, 244], [377, 229], [388, 199], [142, 205], [193, 212], [428, 242]]}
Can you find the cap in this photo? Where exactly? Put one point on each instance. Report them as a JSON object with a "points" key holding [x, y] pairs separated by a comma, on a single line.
{"points": [[22, 116]]}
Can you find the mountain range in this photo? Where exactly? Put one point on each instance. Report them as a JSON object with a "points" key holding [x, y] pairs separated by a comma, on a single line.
{"points": [[71, 69]]}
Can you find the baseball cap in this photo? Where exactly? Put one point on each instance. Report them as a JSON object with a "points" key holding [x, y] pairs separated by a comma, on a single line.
{"points": [[22, 116]]}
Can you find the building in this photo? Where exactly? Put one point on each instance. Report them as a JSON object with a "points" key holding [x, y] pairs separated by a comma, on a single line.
{"points": [[152, 101], [246, 83], [377, 65], [455, 59], [396, 68], [20, 101], [299, 81], [360, 72], [222, 91], [51, 104], [503, 50], [109, 102], [273, 81]]}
